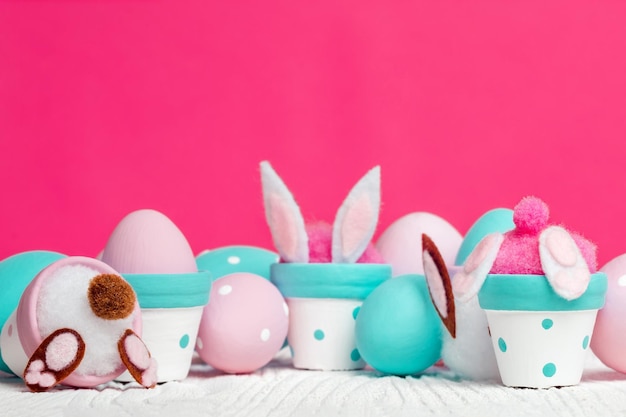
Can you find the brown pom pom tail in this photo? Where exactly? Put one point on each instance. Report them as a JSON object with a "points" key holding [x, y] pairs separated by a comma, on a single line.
{"points": [[448, 319], [111, 297]]}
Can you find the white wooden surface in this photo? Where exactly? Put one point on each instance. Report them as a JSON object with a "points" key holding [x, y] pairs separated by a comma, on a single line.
{"points": [[280, 390]]}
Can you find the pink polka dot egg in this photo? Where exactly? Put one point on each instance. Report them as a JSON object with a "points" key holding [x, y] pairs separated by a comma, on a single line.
{"points": [[244, 325]]}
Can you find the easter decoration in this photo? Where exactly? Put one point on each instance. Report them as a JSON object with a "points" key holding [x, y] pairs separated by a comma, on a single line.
{"points": [[237, 258], [608, 341], [153, 255], [538, 288], [245, 323], [16, 272], [325, 271], [77, 323]]}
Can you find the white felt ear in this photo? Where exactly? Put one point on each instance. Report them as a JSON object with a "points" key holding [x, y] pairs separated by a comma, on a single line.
{"points": [[563, 264], [467, 282], [283, 217], [356, 219]]}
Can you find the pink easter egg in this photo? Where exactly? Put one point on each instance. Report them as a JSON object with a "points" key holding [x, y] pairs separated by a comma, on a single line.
{"points": [[608, 341], [401, 243], [148, 242], [244, 325]]}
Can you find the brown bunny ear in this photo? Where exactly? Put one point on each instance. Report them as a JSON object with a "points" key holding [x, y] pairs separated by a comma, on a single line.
{"points": [[439, 284]]}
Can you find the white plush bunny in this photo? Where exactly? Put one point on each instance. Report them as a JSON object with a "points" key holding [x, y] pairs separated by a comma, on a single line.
{"points": [[352, 230]]}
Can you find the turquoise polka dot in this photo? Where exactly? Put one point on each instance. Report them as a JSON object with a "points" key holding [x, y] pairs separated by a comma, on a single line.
{"points": [[184, 341], [502, 345], [355, 312], [319, 334], [549, 369], [355, 355], [547, 323], [585, 342]]}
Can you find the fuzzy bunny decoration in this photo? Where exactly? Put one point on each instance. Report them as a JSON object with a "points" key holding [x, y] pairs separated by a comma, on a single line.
{"points": [[347, 241]]}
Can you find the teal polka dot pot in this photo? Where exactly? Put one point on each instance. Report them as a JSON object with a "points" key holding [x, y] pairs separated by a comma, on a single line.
{"points": [[540, 340], [171, 310], [324, 301]]}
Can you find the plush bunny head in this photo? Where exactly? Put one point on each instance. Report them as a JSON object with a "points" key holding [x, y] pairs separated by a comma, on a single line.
{"points": [[348, 240]]}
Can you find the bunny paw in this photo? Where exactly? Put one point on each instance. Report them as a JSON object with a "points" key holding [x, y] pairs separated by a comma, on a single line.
{"points": [[137, 359], [57, 357]]}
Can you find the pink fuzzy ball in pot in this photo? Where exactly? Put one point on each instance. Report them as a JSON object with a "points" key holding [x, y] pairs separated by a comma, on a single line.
{"points": [[244, 325], [320, 246], [519, 252]]}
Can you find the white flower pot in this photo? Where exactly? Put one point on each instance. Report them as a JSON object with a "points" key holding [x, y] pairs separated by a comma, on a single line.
{"points": [[323, 301], [540, 339]]}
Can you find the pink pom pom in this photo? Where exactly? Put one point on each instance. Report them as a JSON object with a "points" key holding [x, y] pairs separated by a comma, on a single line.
{"points": [[531, 215], [320, 242], [320, 245]]}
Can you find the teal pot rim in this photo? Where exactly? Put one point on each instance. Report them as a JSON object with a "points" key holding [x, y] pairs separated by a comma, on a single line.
{"points": [[171, 290], [328, 280], [534, 293]]}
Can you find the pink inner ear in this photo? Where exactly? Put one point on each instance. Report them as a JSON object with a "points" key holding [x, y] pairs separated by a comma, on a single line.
{"points": [[560, 246], [356, 224], [478, 256], [435, 285], [284, 230]]}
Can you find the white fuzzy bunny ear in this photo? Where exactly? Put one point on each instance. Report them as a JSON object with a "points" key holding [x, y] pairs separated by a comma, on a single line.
{"points": [[439, 285], [467, 282], [563, 264], [283, 217], [356, 219]]}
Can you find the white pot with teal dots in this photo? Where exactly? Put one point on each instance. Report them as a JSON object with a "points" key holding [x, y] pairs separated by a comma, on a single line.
{"points": [[324, 302], [171, 310], [540, 339]]}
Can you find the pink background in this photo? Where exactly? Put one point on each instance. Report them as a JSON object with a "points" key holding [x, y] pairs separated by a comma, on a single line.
{"points": [[111, 106]]}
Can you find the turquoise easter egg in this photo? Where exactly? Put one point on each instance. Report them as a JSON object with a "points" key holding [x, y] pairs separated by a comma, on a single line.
{"points": [[496, 220], [233, 259], [16, 272], [398, 330]]}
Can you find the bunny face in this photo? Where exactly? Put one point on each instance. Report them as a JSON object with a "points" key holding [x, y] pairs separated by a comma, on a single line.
{"points": [[352, 231], [76, 322]]}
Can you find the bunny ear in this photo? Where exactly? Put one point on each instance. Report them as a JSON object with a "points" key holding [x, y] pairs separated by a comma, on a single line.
{"points": [[283, 217], [439, 284], [356, 219], [470, 279], [562, 262]]}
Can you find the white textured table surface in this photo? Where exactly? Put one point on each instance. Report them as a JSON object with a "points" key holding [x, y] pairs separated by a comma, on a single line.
{"points": [[280, 390]]}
